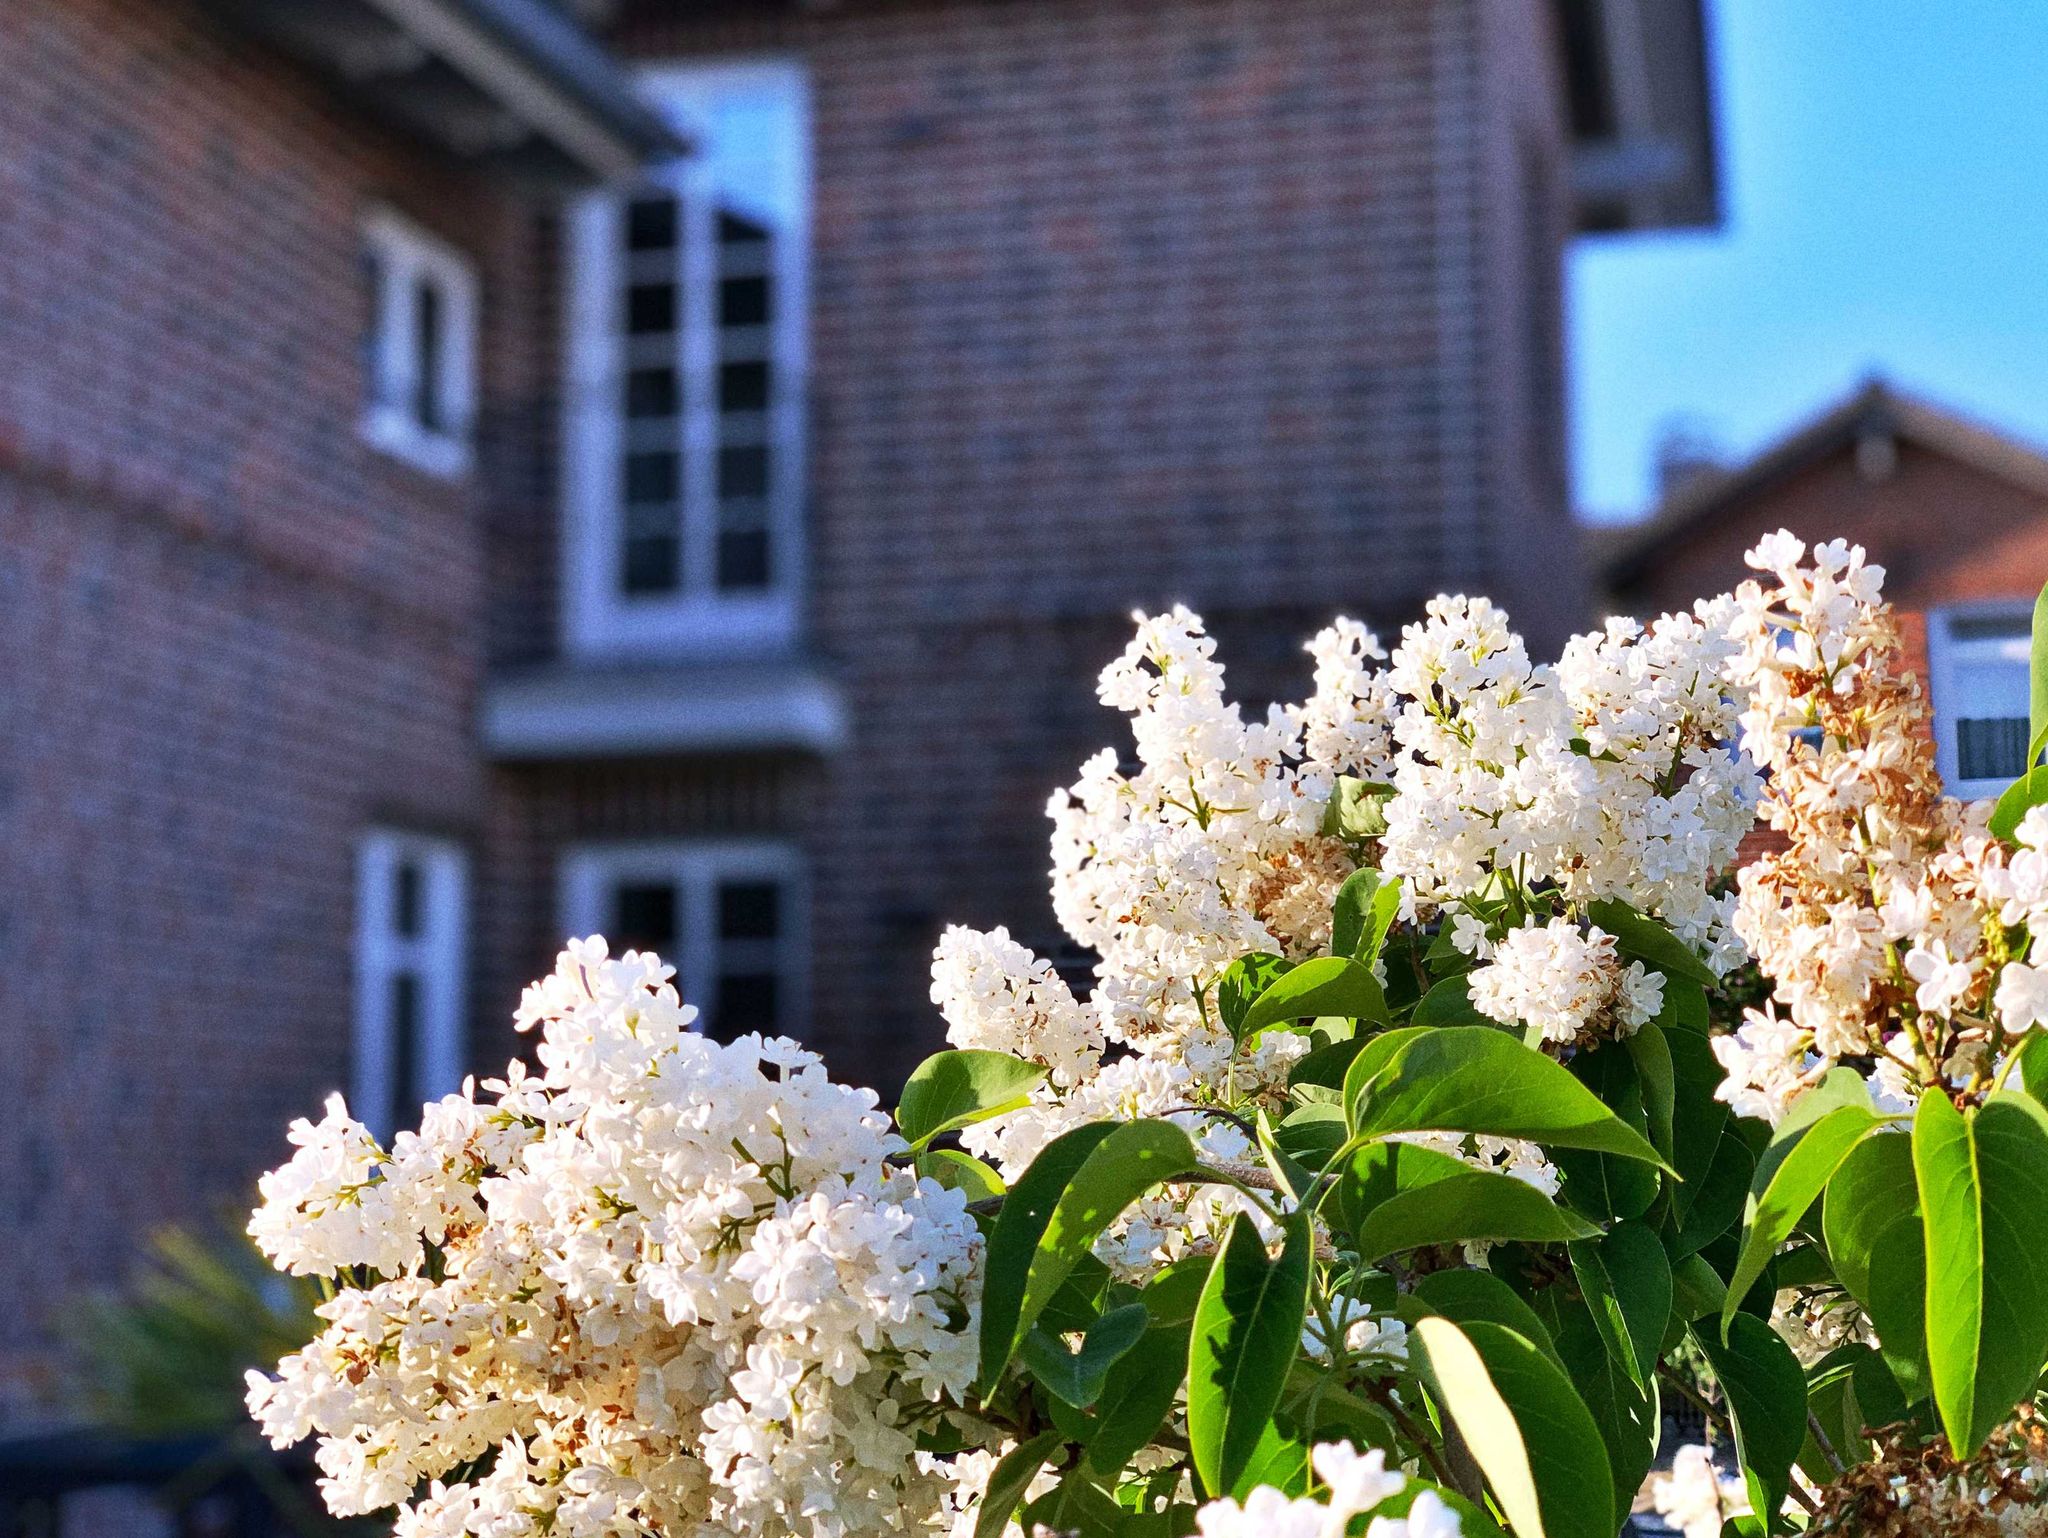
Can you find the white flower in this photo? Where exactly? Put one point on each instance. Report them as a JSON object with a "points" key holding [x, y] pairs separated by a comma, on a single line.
{"points": [[1566, 983], [1356, 1483], [2022, 998], [1693, 1497], [1944, 981]]}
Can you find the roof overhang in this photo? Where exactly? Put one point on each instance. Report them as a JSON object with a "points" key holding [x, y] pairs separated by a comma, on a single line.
{"points": [[1637, 80], [513, 86], [580, 711]]}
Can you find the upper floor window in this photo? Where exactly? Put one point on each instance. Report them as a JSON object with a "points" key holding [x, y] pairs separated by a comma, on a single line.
{"points": [[683, 447], [411, 919], [1978, 657], [419, 360], [727, 915]]}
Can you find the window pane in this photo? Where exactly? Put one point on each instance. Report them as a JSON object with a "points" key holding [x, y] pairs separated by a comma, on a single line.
{"points": [[743, 559], [743, 471], [743, 386], [651, 392], [736, 229], [644, 918], [746, 1002], [650, 307], [650, 564], [406, 1093], [749, 910], [651, 224], [652, 475], [405, 905], [1991, 748], [427, 328], [743, 302]]}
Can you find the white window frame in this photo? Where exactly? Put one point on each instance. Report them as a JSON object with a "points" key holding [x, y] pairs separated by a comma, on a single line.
{"points": [[437, 956], [407, 257], [598, 619], [1946, 651], [590, 873]]}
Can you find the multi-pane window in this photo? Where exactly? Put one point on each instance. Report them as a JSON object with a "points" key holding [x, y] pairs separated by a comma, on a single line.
{"points": [[685, 436], [419, 353], [410, 923], [728, 916], [1980, 696]]}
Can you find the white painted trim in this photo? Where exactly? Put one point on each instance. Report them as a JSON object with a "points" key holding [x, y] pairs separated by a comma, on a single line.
{"points": [[598, 620], [438, 957], [406, 256], [589, 872], [581, 713], [512, 83], [1944, 651]]}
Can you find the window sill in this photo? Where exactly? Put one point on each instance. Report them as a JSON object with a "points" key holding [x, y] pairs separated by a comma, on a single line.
{"points": [[392, 432], [577, 711]]}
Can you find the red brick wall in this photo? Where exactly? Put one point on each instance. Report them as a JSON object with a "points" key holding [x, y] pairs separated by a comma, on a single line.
{"points": [[232, 634], [1114, 304]]}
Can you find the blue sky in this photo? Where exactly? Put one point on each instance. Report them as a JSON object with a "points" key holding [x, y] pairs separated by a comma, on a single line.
{"points": [[1885, 185]]}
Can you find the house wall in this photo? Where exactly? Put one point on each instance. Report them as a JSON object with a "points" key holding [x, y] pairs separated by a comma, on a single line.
{"points": [[231, 635], [1113, 305], [1944, 531]]}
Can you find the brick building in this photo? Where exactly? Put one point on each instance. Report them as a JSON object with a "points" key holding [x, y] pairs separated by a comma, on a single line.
{"points": [[1955, 512], [473, 470]]}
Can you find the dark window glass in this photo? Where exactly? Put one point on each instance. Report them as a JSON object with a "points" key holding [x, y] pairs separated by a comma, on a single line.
{"points": [[644, 918], [743, 471], [652, 475], [405, 916], [650, 563], [743, 302], [1991, 748], [743, 559], [406, 1094], [746, 1002], [428, 408], [743, 386], [651, 224], [650, 308], [738, 230], [749, 910], [651, 392]]}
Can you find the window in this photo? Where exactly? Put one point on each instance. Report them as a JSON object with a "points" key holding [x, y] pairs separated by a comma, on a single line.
{"points": [[410, 953], [684, 439], [419, 357], [1978, 658], [729, 917]]}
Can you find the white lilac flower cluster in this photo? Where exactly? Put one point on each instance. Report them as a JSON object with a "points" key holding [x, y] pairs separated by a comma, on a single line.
{"points": [[664, 1285], [1694, 1497], [1887, 922], [1609, 775], [1356, 1483], [1565, 982]]}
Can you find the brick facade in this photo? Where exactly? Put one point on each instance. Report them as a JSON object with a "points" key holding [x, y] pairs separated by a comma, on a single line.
{"points": [[234, 634], [1251, 307]]}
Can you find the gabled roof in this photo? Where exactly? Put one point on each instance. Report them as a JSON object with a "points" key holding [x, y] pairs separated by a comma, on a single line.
{"points": [[508, 85], [1877, 411]]}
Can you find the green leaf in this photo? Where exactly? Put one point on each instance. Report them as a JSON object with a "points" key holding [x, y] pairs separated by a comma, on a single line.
{"points": [[1873, 1188], [1766, 1393], [1646, 940], [2019, 798], [1650, 1050], [1524, 1425], [1603, 1186], [1464, 1295], [950, 1090], [1312, 1134], [1456, 1080], [1078, 1376], [1981, 1179], [1243, 981], [1795, 1182], [1697, 1118], [1450, 1003], [1356, 808], [1717, 1198], [1008, 1482], [961, 1172], [1077, 1505], [1378, 1172], [1363, 912], [1476, 1204], [1328, 985], [1623, 1409], [1137, 1397], [1626, 1280], [1246, 1335], [1696, 1289], [1013, 1241]]}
